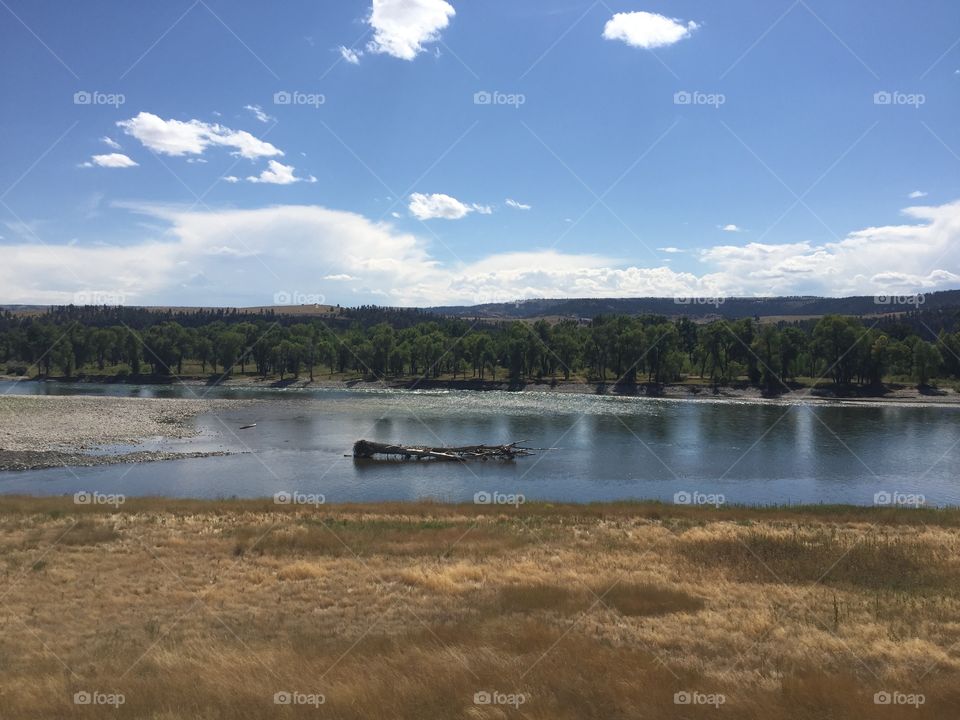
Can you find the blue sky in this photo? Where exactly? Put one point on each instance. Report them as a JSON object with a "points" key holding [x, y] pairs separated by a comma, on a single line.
{"points": [[645, 148]]}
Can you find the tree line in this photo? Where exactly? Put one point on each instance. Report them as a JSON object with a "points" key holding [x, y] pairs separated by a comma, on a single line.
{"points": [[609, 348]]}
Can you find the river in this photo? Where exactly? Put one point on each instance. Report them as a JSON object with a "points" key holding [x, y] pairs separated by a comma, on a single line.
{"points": [[596, 448]]}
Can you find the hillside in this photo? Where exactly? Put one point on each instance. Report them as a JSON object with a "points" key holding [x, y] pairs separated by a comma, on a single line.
{"points": [[799, 306]]}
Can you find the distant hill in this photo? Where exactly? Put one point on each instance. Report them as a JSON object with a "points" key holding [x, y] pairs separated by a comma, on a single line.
{"points": [[797, 307]]}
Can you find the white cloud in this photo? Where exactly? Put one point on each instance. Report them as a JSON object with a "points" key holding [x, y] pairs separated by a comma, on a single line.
{"points": [[279, 174], [402, 27], [110, 142], [670, 250], [647, 30], [231, 179], [259, 114], [896, 258], [438, 205], [916, 194], [517, 205], [175, 137], [222, 256], [351, 56], [732, 228], [110, 160], [340, 276], [483, 209]]}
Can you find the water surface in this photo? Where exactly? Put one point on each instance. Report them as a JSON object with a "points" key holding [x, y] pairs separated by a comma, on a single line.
{"points": [[598, 448]]}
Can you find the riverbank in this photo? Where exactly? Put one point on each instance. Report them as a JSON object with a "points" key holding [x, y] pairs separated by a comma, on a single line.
{"points": [[889, 393], [38, 431], [246, 609]]}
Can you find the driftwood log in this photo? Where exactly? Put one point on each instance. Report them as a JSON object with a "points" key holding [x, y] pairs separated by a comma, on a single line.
{"points": [[369, 449]]}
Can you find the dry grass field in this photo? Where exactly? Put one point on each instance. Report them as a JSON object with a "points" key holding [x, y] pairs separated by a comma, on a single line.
{"points": [[172, 610]]}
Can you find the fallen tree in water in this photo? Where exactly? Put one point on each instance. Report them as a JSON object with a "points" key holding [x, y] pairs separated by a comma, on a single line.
{"points": [[368, 449]]}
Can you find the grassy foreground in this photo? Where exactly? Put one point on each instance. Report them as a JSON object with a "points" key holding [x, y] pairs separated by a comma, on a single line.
{"points": [[243, 609]]}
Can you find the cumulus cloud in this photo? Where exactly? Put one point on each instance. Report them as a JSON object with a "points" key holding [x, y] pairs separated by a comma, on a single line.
{"points": [[259, 114], [517, 205], [110, 160], [896, 258], [438, 205], [731, 228], [110, 142], [231, 179], [176, 137], [402, 27], [647, 30], [670, 250], [235, 256], [279, 174], [351, 56], [916, 194]]}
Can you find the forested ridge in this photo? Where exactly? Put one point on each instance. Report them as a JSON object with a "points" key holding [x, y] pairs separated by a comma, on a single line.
{"points": [[379, 343]]}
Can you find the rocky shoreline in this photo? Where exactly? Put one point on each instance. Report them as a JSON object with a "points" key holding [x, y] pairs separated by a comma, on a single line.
{"points": [[892, 393], [43, 431]]}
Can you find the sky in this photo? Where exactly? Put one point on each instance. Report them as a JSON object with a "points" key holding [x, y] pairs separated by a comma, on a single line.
{"points": [[430, 152]]}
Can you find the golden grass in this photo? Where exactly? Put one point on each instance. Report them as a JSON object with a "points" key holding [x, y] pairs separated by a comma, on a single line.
{"points": [[207, 610], [877, 561]]}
